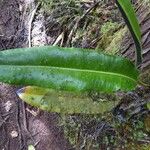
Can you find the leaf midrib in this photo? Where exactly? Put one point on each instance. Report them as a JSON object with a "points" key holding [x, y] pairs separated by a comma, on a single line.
{"points": [[78, 70]]}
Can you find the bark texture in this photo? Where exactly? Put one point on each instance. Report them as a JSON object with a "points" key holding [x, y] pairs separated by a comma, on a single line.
{"points": [[128, 47]]}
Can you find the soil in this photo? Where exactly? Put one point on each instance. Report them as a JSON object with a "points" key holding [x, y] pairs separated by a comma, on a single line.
{"points": [[19, 127]]}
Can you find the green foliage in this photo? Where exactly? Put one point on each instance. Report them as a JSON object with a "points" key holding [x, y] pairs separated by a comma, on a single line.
{"points": [[31, 147], [49, 5], [129, 15], [67, 69], [71, 69]]}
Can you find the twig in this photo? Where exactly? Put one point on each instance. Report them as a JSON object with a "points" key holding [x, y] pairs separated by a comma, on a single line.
{"points": [[58, 39], [3, 121], [30, 22], [143, 84], [88, 11], [18, 123], [24, 116], [23, 15]]}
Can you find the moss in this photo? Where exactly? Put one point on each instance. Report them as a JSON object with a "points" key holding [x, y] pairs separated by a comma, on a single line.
{"points": [[145, 147], [109, 26], [115, 44], [112, 35], [49, 5]]}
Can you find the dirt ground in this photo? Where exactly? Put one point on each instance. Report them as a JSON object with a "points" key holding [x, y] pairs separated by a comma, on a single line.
{"points": [[19, 127], [20, 124]]}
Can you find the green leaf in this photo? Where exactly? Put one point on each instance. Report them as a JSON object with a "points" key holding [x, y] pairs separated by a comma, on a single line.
{"points": [[63, 102], [129, 15], [67, 69], [31, 147]]}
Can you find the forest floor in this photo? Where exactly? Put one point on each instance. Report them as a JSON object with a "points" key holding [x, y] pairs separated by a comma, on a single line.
{"points": [[87, 24]]}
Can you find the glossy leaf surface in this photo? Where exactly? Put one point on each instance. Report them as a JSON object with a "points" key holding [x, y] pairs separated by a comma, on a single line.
{"points": [[63, 102], [129, 15], [67, 69]]}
